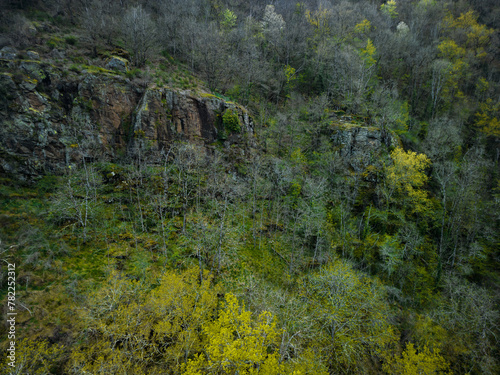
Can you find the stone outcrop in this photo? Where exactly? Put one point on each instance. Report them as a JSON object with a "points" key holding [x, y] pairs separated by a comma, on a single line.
{"points": [[361, 145], [8, 53], [117, 63], [50, 119], [32, 55]]}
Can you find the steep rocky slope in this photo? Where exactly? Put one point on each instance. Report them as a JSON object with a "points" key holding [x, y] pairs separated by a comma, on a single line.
{"points": [[51, 118]]}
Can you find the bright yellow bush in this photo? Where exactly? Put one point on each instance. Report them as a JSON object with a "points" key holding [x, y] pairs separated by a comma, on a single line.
{"points": [[412, 363], [234, 345], [407, 176]]}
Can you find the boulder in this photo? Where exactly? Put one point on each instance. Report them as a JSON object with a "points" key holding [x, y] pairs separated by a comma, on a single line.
{"points": [[32, 55], [117, 63], [56, 54], [8, 53], [7, 91], [33, 69]]}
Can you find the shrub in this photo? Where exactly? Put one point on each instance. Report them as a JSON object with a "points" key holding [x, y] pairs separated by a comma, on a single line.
{"points": [[71, 40], [134, 73], [47, 184], [54, 42], [231, 121]]}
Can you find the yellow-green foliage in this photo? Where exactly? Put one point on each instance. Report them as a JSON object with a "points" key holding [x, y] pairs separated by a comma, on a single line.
{"points": [[450, 50], [299, 159], [487, 118], [465, 44], [236, 346], [290, 76], [228, 20], [406, 175], [125, 327], [412, 363], [32, 357], [428, 333], [97, 69], [363, 27], [389, 8], [231, 120], [477, 36], [320, 20], [368, 53], [176, 327], [402, 118], [54, 42], [184, 305], [207, 95]]}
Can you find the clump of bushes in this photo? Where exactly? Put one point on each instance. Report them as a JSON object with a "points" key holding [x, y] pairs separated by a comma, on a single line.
{"points": [[231, 121], [47, 184], [134, 73], [71, 40], [54, 42]]}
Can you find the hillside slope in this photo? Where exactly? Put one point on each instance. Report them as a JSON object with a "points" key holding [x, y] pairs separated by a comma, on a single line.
{"points": [[225, 187]]}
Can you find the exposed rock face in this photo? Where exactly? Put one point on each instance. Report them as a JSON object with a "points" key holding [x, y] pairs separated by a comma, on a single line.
{"points": [[360, 145], [48, 121]]}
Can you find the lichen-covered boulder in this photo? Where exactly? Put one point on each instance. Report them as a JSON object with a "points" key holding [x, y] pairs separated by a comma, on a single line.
{"points": [[32, 55], [117, 63], [8, 53], [33, 69]]}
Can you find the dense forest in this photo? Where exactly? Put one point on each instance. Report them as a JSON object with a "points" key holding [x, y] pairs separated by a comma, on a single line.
{"points": [[250, 187]]}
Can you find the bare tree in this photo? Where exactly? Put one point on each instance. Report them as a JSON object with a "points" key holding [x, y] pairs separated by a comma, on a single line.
{"points": [[139, 32], [77, 201], [470, 314], [210, 50], [99, 20], [175, 16], [189, 161], [440, 72]]}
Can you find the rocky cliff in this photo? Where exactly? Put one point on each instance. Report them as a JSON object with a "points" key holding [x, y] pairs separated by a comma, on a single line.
{"points": [[360, 145], [51, 118]]}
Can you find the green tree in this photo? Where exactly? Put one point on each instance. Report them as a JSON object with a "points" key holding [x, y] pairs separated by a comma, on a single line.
{"points": [[32, 357], [235, 345], [126, 330], [231, 120], [389, 8], [228, 20], [351, 316], [406, 176], [487, 118], [467, 46], [411, 362]]}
